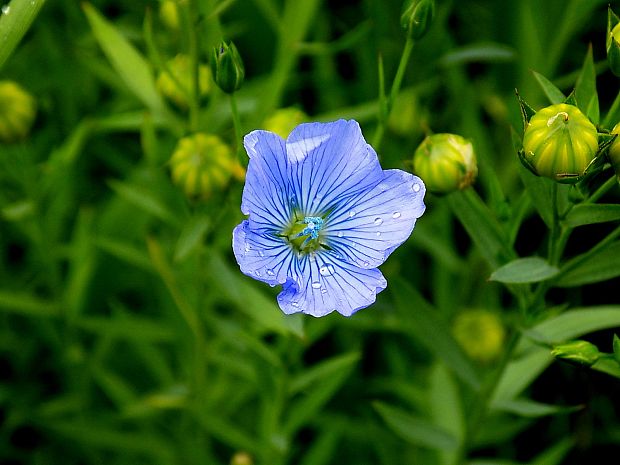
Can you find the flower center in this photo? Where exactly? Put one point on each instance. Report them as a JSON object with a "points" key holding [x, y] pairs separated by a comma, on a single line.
{"points": [[304, 235]]}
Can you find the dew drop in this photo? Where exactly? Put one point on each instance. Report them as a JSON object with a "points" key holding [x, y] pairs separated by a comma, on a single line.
{"points": [[295, 304], [396, 215], [378, 233], [378, 221], [351, 213], [269, 272], [6, 9], [261, 253], [416, 187], [247, 247], [323, 291], [339, 234], [316, 285], [326, 270], [366, 263]]}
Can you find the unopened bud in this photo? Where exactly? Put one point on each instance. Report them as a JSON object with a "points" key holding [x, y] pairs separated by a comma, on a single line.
{"points": [[284, 120], [169, 14], [202, 164], [559, 143], [577, 352], [417, 17], [227, 67], [446, 162], [17, 112], [613, 154]]}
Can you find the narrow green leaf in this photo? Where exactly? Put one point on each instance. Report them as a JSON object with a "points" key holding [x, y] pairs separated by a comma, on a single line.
{"points": [[415, 430], [607, 365], [555, 454], [26, 304], [531, 409], [591, 213], [323, 449], [144, 200], [616, 345], [481, 226], [131, 328], [132, 67], [482, 52], [15, 20], [422, 321], [313, 376], [520, 373], [524, 270], [613, 115], [125, 252], [575, 323], [554, 94], [191, 236], [602, 265], [585, 89], [540, 191]]}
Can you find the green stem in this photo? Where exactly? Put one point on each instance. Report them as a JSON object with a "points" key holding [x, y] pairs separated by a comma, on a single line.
{"points": [[602, 190], [190, 12], [571, 264], [396, 84], [238, 129]]}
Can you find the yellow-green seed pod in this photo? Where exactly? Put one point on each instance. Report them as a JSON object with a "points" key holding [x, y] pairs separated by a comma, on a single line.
{"points": [[480, 333], [175, 82], [559, 143], [202, 164], [284, 120], [18, 110], [446, 163], [169, 14], [613, 153], [577, 352]]}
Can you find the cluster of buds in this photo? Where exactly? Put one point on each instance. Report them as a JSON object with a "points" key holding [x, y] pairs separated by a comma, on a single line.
{"points": [[175, 82], [446, 162], [203, 163], [18, 110]]}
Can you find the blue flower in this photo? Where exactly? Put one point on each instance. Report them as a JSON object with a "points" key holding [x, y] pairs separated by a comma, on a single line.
{"points": [[323, 216]]}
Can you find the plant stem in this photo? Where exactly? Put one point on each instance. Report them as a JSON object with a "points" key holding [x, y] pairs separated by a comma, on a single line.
{"points": [[602, 190], [190, 11], [238, 129], [396, 84]]}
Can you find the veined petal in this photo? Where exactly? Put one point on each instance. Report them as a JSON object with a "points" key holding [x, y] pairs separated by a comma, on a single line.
{"points": [[329, 161], [366, 228], [267, 192], [324, 284], [263, 256]]}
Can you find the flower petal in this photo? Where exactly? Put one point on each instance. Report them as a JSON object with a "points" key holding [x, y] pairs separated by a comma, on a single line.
{"points": [[328, 161], [365, 229], [263, 256], [324, 284], [267, 192]]}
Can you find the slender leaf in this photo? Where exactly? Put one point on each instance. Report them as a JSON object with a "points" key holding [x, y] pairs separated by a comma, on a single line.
{"points": [[602, 265], [554, 94], [26, 304], [191, 236], [15, 20], [415, 430], [613, 115], [524, 270], [144, 200], [585, 89], [609, 366], [520, 373], [486, 52], [313, 376], [591, 213], [555, 454], [531, 409]]}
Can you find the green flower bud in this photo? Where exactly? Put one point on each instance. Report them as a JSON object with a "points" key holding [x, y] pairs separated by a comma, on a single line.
{"points": [[284, 120], [559, 143], [177, 87], [446, 162], [480, 333], [17, 112], [202, 164], [613, 154], [169, 14], [227, 67], [417, 17], [616, 345], [613, 42], [577, 352]]}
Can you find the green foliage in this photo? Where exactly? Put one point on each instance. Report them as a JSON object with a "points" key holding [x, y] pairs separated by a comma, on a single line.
{"points": [[128, 335]]}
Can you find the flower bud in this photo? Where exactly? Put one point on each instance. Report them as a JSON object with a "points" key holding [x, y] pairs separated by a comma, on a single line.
{"points": [[613, 154], [227, 67], [577, 352], [17, 112], [480, 333], [177, 87], [241, 458], [169, 14], [559, 143], [202, 164], [446, 162], [284, 120], [613, 42], [417, 17]]}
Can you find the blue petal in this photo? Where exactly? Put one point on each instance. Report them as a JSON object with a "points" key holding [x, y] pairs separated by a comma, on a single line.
{"points": [[367, 227], [267, 192], [324, 284], [329, 161], [264, 256]]}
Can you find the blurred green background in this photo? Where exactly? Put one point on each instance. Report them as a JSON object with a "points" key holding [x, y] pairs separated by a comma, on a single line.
{"points": [[128, 334]]}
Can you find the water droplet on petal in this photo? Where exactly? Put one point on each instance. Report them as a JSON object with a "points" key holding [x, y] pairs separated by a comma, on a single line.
{"points": [[247, 247], [351, 213], [326, 270], [316, 285], [378, 221], [295, 304], [323, 291], [366, 263], [270, 272], [378, 233], [416, 187], [339, 234], [261, 253], [396, 215]]}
